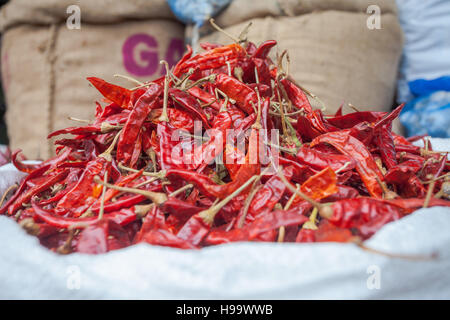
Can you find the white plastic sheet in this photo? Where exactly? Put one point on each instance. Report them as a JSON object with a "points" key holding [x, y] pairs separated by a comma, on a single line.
{"points": [[237, 271]]}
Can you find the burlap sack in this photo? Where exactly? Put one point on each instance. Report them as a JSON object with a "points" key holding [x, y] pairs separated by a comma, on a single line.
{"points": [[333, 53], [45, 65]]}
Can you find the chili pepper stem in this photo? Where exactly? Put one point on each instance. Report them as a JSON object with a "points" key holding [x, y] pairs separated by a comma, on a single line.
{"points": [[142, 210], [281, 234], [106, 127], [102, 199], [257, 124], [182, 82], [142, 86], [345, 166], [181, 190], [243, 35], [155, 197], [292, 198], [5, 194], [137, 82], [311, 224], [210, 78], [107, 153], [66, 247], [388, 194], [78, 120], [325, 211], [247, 203], [209, 214], [429, 194], [281, 108], [437, 179], [238, 73], [30, 226], [160, 174], [164, 117], [215, 26], [360, 244]]}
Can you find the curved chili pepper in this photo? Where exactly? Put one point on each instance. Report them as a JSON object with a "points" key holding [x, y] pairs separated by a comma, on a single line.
{"points": [[211, 59], [29, 168], [112, 92], [188, 102], [205, 97], [352, 119], [177, 118], [103, 236], [244, 96], [80, 197], [344, 192], [367, 215], [297, 96], [33, 174], [25, 197], [319, 186], [130, 131], [321, 160], [365, 164], [385, 142], [266, 223], [122, 217]]}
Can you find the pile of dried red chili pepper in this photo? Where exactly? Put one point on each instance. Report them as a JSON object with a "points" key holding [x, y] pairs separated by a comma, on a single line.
{"points": [[123, 179]]}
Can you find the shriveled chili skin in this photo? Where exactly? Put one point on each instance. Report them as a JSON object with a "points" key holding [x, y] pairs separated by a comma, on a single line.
{"points": [[189, 103], [341, 169], [320, 160], [101, 237], [297, 96], [344, 192], [365, 164], [194, 230], [319, 186], [352, 119], [35, 173], [238, 91], [266, 223], [266, 198], [367, 215], [385, 142], [211, 59], [205, 97], [77, 200], [113, 93], [130, 131], [122, 217], [25, 197]]}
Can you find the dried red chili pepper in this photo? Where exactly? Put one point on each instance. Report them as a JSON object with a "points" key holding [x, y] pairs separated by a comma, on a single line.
{"points": [[130, 131], [189, 103], [240, 89], [321, 160], [244, 96], [80, 197], [113, 93], [365, 164]]}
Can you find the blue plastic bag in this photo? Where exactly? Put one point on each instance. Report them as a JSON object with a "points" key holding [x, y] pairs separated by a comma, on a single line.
{"points": [[196, 11], [429, 113]]}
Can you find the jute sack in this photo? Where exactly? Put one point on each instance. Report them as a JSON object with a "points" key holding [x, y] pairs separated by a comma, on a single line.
{"points": [[45, 64], [333, 53]]}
